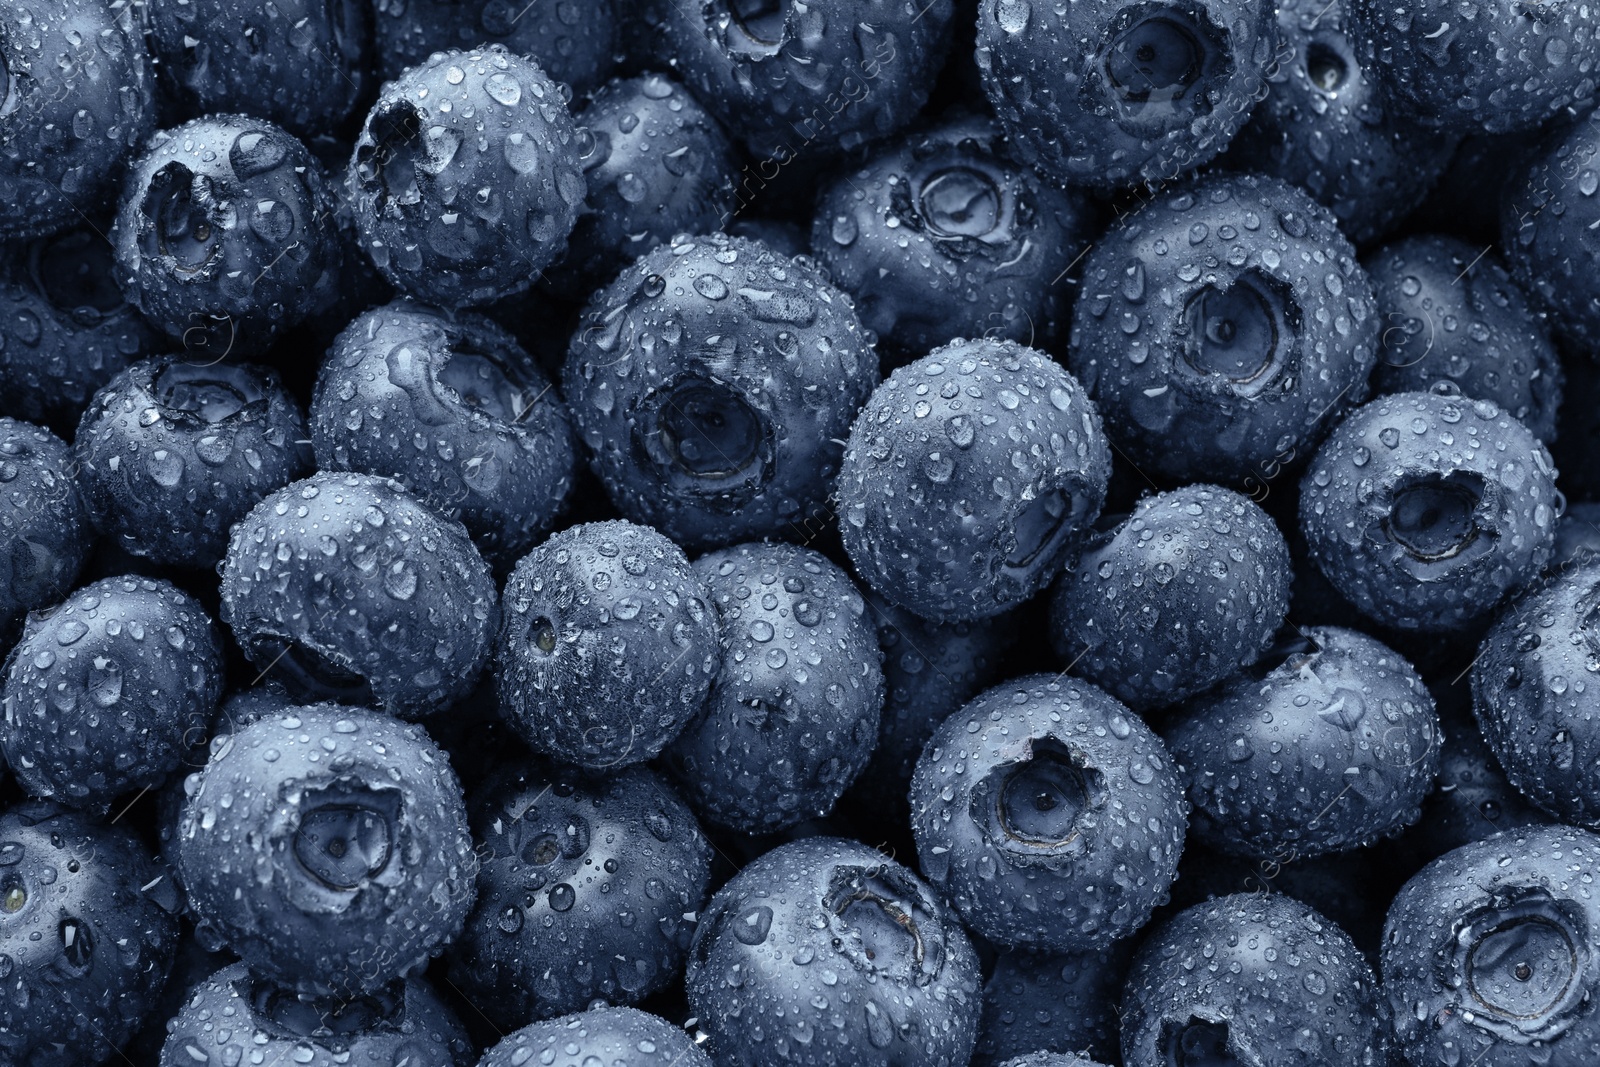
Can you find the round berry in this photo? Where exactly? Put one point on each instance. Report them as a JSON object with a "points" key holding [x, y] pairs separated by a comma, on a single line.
{"points": [[45, 534]]}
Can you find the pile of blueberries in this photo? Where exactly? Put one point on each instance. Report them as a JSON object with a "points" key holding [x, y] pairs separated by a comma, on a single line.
{"points": [[800, 533]]}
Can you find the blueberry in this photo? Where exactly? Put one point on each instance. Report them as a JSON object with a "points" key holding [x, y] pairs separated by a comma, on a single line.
{"points": [[299, 63], [608, 645], [1220, 327], [1510, 66], [328, 847], [1489, 953], [75, 102], [87, 936], [1109, 93], [585, 886], [109, 691], [466, 177], [571, 42], [1186, 591], [603, 1035], [225, 237], [1326, 126], [344, 587], [939, 235], [658, 164], [1255, 978], [68, 329], [714, 382], [45, 534], [1425, 511], [1050, 1059], [794, 711], [1453, 321], [1547, 228], [1326, 745], [793, 80], [1047, 1004], [824, 951], [1530, 696], [236, 1017], [452, 408], [1049, 815], [173, 453]]}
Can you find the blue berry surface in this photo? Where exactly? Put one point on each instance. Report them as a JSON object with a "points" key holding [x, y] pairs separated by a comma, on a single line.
{"points": [[601, 1035], [45, 532], [1039, 1004], [1547, 220], [571, 42]]}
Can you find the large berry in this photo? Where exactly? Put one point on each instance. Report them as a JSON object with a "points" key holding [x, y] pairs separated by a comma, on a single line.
{"points": [[45, 534], [1548, 228]]}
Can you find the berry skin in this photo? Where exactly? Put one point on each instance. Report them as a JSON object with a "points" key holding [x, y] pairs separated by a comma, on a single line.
{"points": [[70, 329], [1508, 66], [714, 383], [970, 479], [1109, 93], [451, 407], [1254, 978], [1326, 126], [225, 236], [344, 587], [1489, 954], [89, 928], [1530, 697], [1454, 322], [76, 84], [622, 1036], [1045, 1004], [1333, 746], [234, 1016], [796, 80], [1425, 511], [1048, 815], [1548, 230], [109, 691], [302, 64], [45, 535], [608, 645], [824, 951], [583, 888], [466, 177], [796, 705], [1186, 591], [572, 43], [939, 235], [1050, 1059], [658, 164], [1221, 326], [173, 453], [328, 847]]}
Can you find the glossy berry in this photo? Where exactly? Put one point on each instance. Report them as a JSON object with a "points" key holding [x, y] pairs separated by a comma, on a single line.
{"points": [[1221, 327], [173, 453], [75, 103], [940, 235], [872, 970], [608, 645], [1326, 745], [451, 407], [713, 383], [45, 534], [1051, 1059], [1254, 978], [1044, 1004], [1049, 815], [328, 847], [321, 568], [1547, 228], [1110, 93], [1455, 323], [1425, 511], [88, 927], [970, 479], [585, 886], [225, 237], [1186, 591], [109, 691], [1488, 953], [571, 42], [466, 177], [623, 1036], [794, 711]]}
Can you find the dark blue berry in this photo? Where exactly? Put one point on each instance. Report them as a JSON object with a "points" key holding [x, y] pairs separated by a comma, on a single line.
{"points": [[1045, 1004], [603, 1035], [824, 951], [1547, 227], [45, 533], [572, 42], [608, 645]]}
